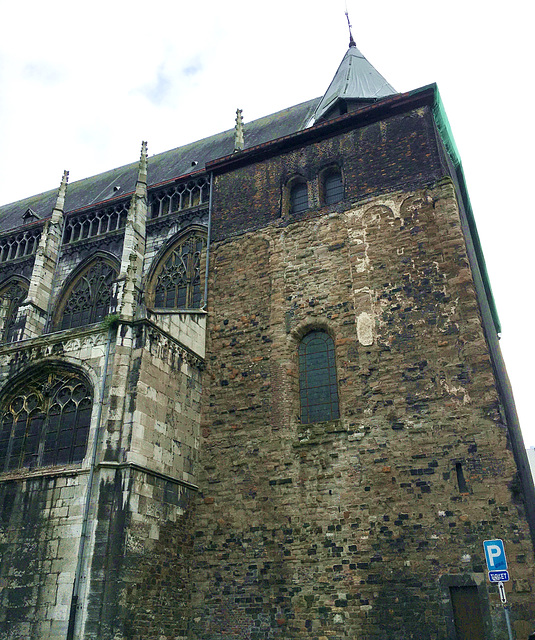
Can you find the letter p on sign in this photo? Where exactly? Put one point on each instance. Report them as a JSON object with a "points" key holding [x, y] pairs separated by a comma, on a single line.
{"points": [[495, 555]]}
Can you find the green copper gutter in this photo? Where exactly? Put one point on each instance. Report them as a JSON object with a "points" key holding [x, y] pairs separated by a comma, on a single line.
{"points": [[444, 129]]}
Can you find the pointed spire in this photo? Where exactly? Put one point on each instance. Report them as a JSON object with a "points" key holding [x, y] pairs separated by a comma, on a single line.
{"points": [[57, 213], [239, 142], [351, 41], [356, 80]]}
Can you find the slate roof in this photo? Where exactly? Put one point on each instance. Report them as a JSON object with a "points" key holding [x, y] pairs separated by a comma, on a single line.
{"points": [[162, 167], [355, 79]]}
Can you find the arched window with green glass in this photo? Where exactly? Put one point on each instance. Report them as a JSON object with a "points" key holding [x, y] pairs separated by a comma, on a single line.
{"points": [[45, 420], [318, 386]]}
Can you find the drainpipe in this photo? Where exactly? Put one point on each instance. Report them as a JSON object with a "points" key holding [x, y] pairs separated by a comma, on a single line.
{"points": [[208, 240], [85, 517]]}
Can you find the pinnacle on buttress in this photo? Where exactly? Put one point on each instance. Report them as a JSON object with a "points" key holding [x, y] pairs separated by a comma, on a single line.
{"points": [[238, 136], [142, 171], [57, 212]]}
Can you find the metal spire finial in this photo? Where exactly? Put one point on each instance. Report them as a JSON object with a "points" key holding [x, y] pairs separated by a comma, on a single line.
{"points": [[351, 41]]}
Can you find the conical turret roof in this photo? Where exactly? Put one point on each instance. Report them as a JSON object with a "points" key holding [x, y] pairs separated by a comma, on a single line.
{"points": [[356, 79]]}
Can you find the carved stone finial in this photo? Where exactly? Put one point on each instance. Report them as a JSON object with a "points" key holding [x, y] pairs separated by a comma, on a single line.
{"points": [[57, 213], [143, 162], [351, 40], [238, 136]]}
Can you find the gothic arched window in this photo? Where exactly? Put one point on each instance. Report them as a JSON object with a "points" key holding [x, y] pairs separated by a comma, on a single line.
{"points": [[333, 187], [177, 281], [318, 388], [45, 421], [298, 197], [88, 298], [11, 297]]}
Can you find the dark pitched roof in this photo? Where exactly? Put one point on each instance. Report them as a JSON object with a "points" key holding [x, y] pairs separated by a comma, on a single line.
{"points": [[162, 167], [355, 79]]}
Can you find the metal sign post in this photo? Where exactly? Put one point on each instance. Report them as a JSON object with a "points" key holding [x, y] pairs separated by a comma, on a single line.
{"points": [[497, 566], [503, 598]]}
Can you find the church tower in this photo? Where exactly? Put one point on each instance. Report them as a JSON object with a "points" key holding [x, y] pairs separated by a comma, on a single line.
{"points": [[252, 388]]}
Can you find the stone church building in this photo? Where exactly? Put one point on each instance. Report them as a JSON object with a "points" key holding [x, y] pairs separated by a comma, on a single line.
{"points": [[251, 388]]}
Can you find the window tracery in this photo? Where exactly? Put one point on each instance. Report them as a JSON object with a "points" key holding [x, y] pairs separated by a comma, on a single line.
{"points": [[45, 421], [179, 197], [11, 298], [95, 223], [19, 246], [177, 282], [89, 298], [318, 387]]}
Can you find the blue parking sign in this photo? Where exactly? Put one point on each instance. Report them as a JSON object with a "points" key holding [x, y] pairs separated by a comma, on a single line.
{"points": [[495, 555]]}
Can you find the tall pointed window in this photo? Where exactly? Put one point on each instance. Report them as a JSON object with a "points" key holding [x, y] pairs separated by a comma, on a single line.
{"points": [[318, 388], [45, 421], [178, 280], [89, 297], [11, 297]]}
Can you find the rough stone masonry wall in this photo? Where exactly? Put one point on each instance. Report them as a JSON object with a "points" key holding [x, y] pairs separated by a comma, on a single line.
{"points": [[351, 528]]}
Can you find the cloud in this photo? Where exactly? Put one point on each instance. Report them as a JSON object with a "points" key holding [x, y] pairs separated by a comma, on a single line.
{"points": [[158, 91], [193, 68], [168, 84], [41, 72]]}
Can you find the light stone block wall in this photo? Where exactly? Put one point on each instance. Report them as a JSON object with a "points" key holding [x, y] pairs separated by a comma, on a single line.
{"points": [[531, 459], [166, 420], [188, 328], [41, 510]]}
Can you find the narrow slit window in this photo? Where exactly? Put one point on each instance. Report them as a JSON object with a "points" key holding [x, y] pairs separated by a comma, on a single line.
{"points": [[461, 482]]}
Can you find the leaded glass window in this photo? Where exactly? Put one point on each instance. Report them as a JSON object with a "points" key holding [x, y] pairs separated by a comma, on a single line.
{"points": [[298, 198], [318, 387], [178, 281], [10, 300], [90, 297], [333, 188], [45, 421]]}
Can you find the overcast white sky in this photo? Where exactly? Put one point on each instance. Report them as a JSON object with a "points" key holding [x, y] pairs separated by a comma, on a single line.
{"points": [[81, 86]]}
